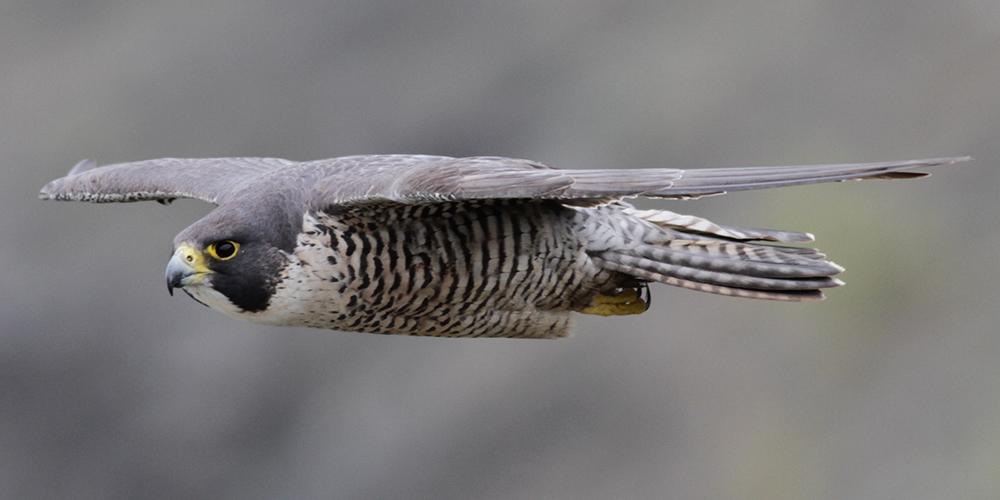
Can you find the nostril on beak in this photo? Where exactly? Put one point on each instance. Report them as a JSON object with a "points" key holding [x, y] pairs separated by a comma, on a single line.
{"points": [[178, 269]]}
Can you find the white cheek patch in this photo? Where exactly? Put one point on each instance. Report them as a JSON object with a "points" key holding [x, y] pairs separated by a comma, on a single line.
{"points": [[207, 295], [204, 293]]}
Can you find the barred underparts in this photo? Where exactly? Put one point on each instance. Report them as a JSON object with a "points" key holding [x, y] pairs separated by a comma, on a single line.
{"points": [[512, 268], [461, 247]]}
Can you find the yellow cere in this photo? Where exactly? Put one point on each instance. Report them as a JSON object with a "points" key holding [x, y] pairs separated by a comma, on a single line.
{"points": [[193, 257]]}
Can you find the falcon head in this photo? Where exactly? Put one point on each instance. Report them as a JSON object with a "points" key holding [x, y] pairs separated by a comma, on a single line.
{"points": [[230, 261]]}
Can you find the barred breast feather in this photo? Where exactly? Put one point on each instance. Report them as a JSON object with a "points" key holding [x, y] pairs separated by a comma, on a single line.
{"points": [[473, 269]]}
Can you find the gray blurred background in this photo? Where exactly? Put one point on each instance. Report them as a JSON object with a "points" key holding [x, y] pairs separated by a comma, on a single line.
{"points": [[889, 389]]}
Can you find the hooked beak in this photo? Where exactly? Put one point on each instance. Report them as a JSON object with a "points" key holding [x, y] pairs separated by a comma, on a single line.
{"points": [[186, 267]]}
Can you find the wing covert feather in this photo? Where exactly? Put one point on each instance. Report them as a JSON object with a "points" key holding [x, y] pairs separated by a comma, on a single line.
{"points": [[424, 179]]}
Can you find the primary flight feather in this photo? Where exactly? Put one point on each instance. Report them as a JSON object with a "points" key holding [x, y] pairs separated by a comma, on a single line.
{"points": [[461, 247]]}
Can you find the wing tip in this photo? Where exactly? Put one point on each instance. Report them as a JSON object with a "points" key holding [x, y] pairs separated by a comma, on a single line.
{"points": [[52, 190], [956, 159], [937, 162], [930, 162]]}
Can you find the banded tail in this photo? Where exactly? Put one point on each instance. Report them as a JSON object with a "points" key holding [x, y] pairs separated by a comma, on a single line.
{"points": [[694, 253]]}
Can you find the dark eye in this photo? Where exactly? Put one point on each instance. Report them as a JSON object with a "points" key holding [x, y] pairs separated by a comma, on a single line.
{"points": [[223, 250]]}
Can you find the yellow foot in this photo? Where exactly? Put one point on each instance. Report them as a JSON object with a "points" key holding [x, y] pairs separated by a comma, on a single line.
{"points": [[618, 303]]}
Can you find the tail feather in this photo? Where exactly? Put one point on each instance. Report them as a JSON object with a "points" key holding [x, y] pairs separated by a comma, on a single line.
{"points": [[695, 257], [685, 237], [735, 280], [806, 253], [698, 254], [687, 227], [745, 251], [788, 296], [690, 223]]}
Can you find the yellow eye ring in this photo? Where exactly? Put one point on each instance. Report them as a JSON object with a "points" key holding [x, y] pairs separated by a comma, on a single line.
{"points": [[223, 250]]}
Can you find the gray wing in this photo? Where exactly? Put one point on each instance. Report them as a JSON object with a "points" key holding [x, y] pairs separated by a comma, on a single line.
{"points": [[164, 179], [422, 179]]}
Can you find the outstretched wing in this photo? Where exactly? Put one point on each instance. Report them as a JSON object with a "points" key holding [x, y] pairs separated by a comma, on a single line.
{"points": [[164, 179], [423, 179]]}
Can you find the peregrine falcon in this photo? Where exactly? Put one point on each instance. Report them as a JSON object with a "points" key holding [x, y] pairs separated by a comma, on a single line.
{"points": [[461, 247]]}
